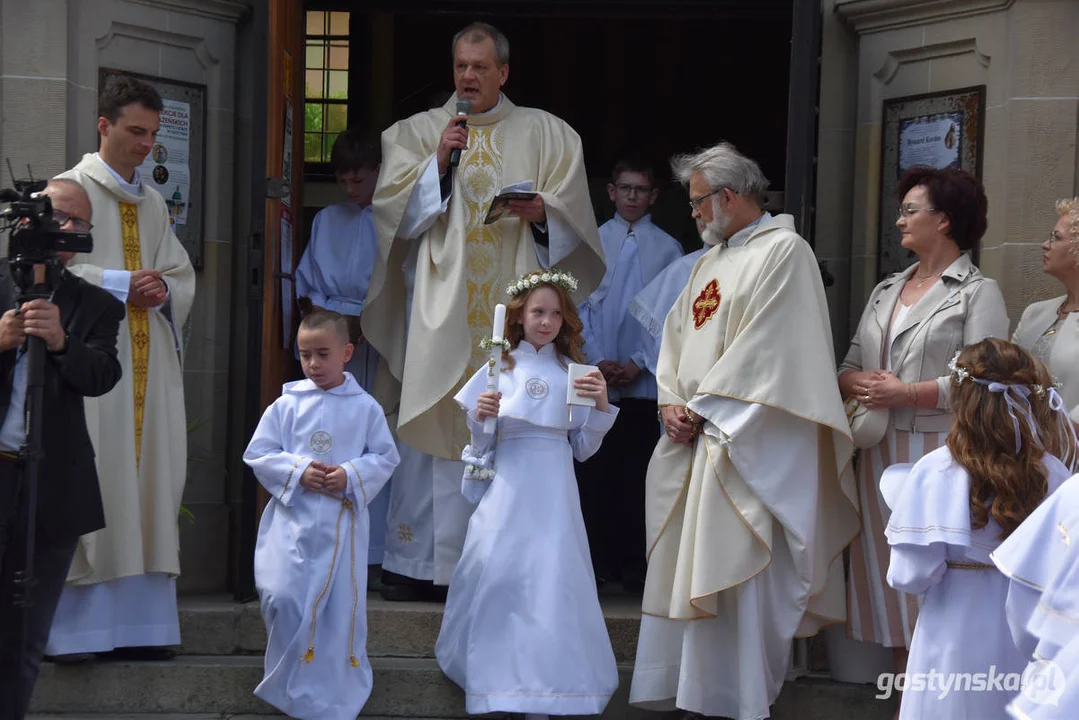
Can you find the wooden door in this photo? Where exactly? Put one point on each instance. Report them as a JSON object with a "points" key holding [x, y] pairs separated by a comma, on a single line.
{"points": [[284, 168]]}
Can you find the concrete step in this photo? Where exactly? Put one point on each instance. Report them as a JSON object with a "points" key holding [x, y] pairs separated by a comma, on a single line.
{"points": [[187, 716], [219, 626], [403, 688]]}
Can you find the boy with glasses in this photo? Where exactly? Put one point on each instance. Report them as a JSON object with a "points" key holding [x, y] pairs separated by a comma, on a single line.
{"points": [[612, 488]]}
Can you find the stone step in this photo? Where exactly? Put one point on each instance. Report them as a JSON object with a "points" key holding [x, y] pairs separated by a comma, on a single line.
{"points": [[219, 626], [403, 688], [188, 716]]}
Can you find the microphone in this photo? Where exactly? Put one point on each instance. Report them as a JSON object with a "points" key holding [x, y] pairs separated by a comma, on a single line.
{"points": [[464, 109]]}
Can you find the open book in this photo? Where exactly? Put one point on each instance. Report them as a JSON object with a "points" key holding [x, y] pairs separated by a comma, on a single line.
{"points": [[515, 191]]}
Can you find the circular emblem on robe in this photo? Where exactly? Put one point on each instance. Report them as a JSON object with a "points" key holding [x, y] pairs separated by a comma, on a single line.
{"points": [[536, 388], [321, 442]]}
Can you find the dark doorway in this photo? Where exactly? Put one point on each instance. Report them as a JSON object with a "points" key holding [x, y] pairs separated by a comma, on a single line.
{"points": [[651, 78]]}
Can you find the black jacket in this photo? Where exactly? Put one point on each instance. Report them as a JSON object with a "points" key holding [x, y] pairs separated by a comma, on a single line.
{"points": [[69, 498]]}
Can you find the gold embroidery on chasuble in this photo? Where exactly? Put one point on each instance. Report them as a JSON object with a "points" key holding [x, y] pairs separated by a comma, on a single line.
{"points": [[479, 179], [138, 320], [706, 304]]}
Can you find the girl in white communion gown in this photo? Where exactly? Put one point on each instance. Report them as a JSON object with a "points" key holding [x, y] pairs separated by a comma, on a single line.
{"points": [[953, 508], [523, 631]]}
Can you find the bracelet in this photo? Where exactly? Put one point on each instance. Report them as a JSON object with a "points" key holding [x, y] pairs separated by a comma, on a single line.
{"points": [[912, 394]]}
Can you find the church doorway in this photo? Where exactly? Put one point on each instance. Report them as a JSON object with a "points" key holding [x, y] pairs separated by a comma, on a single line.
{"points": [[643, 77]]}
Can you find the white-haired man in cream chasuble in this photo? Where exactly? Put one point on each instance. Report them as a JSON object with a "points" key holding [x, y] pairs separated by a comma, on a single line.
{"points": [[121, 589], [750, 498], [441, 270]]}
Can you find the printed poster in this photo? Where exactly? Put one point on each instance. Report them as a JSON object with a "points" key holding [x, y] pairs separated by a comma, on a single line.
{"points": [[166, 168], [931, 140]]}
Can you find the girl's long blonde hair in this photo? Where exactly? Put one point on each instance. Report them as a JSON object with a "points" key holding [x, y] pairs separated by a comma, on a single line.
{"points": [[1004, 482]]}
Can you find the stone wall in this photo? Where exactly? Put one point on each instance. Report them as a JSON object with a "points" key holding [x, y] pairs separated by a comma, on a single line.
{"points": [[50, 54], [1025, 53]]}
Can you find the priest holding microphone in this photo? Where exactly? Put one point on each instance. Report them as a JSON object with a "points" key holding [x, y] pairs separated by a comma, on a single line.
{"points": [[439, 273]]}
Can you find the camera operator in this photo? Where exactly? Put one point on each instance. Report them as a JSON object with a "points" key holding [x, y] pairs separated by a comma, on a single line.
{"points": [[79, 326]]}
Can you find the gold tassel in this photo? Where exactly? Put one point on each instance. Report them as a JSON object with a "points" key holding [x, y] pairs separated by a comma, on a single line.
{"points": [[309, 655], [353, 661]]}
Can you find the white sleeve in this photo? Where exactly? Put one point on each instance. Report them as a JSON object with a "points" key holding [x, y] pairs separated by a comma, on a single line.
{"points": [[117, 282], [368, 473], [277, 470], [916, 568], [425, 203], [587, 438]]}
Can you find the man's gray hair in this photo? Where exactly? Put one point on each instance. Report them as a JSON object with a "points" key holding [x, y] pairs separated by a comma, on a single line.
{"points": [[480, 31], [722, 167]]}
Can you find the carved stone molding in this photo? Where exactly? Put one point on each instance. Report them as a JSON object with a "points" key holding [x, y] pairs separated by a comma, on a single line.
{"points": [[196, 45], [230, 10], [871, 16], [897, 58]]}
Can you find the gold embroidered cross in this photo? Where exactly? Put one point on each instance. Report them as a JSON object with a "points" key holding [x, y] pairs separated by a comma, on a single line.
{"points": [[404, 533]]}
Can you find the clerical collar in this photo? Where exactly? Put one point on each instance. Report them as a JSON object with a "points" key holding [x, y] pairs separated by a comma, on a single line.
{"points": [[131, 188], [622, 222], [496, 114], [742, 236]]}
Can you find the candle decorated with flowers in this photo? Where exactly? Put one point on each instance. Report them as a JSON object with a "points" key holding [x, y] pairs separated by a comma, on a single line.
{"points": [[495, 345]]}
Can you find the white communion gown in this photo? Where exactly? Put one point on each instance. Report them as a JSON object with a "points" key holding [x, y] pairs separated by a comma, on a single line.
{"points": [[310, 559], [523, 630]]}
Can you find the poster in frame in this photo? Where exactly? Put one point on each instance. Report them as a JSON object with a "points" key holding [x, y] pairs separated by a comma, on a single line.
{"points": [[942, 130]]}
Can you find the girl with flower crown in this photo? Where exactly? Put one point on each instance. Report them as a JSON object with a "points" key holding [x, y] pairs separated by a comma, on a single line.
{"points": [[523, 630], [1011, 446]]}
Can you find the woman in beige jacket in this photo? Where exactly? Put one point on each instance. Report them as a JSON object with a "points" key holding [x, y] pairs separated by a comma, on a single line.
{"points": [[1050, 329], [914, 323]]}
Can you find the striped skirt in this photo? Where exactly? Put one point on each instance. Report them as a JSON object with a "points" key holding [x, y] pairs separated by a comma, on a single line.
{"points": [[875, 612]]}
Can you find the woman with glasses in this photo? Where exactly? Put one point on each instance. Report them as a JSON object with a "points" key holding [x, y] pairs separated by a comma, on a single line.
{"points": [[897, 366], [1050, 328]]}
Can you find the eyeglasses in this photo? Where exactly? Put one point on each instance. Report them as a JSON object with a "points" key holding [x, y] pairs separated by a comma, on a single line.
{"points": [[905, 211], [77, 224], [694, 205], [630, 189]]}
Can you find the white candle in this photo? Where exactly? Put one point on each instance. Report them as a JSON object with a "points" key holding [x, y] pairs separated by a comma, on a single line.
{"points": [[498, 327], [494, 365]]}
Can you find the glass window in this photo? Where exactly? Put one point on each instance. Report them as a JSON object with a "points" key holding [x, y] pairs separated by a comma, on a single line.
{"points": [[325, 83]]}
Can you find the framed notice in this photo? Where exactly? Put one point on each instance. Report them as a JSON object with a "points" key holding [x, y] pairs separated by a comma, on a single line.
{"points": [[176, 166], [939, 130]]}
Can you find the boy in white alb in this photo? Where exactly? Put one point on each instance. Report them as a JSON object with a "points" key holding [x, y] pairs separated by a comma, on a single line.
{"points": [[612, 482], [335, 270], [323, 450]]}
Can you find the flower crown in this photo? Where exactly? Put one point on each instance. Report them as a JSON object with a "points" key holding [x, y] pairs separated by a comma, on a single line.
{"points": [[536, 278], [961, 373]]}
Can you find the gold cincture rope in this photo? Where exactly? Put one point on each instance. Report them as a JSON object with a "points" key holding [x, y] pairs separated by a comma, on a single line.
{"points": [[346, 506]]}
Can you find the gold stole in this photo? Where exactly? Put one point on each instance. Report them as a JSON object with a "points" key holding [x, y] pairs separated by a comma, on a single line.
{"points": [[477, 178], [138, 320]]}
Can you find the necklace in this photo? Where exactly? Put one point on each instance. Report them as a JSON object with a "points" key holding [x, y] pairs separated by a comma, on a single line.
{"points": [[925, 278]]}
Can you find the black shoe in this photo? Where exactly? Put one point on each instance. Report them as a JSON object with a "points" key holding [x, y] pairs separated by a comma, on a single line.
{"points": [[153, 653], [401, 588], [70, 658]]}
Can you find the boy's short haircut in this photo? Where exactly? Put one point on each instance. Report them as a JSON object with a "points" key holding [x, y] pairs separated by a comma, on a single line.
{"points": [[327, 318], [355, 150], [631, 163]]}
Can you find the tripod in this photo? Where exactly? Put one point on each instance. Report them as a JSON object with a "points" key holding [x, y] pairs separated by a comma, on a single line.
{"points": [[34, 279]]}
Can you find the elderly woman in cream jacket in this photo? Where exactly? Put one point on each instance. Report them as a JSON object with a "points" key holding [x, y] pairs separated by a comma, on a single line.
{"points": [[1050, 329], [912, 326]]}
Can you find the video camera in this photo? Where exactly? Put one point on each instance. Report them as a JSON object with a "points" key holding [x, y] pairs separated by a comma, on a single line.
{"points": [[34, 234]]}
